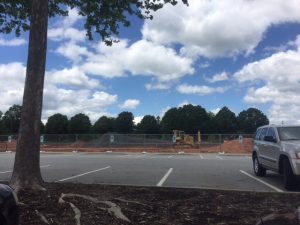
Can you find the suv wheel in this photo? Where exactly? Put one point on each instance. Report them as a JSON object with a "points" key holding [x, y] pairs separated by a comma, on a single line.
{"points": [[258, 169], [288, 176]]}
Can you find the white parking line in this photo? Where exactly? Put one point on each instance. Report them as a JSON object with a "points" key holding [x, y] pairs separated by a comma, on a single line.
{"points": [[201, 156], [45, 166], [219, 157], [6, 172], [171, 156], [261, 181], [10, 171], [82, 174], [165, 177]]}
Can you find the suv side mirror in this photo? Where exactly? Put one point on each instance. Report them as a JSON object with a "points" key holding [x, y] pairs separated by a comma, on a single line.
{"points": [[270, 139]]}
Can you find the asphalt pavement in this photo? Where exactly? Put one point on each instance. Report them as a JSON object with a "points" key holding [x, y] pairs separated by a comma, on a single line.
{"points": [[166, 170]]}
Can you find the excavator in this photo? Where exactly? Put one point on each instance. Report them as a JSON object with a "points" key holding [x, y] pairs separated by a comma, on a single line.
{"points": [[180, 138]]}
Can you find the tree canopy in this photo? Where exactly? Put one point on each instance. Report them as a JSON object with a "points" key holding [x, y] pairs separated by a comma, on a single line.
{"points": [[80, 124], [124, 123], [12, 118], [226, 122], [103, 125], [148, 125], [103, 17], [250, 119], [57, 124]]}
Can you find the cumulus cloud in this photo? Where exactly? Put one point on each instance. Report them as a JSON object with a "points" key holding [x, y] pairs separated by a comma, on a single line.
{"points": [[218, 28], [275, 80], [57, 96], [12, 78], [63, 30], [73, 77], [142, 58], [201, 90], [12, 42], [130, 104], [218, 77]]}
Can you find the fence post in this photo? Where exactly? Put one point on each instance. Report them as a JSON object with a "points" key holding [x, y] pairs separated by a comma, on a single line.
{"points": [[220, 141]]}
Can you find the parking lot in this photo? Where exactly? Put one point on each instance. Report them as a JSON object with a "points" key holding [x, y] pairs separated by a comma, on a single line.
{"points": [[167, 170]]}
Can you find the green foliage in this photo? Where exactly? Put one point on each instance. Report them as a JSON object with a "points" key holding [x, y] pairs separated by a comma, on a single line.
{"points": [[148, 125], [250, 119], [103, 125], [12, 118], [80, 124], [124, 123], [226, 121], [101, 16], [188, 118], [57, 124]]}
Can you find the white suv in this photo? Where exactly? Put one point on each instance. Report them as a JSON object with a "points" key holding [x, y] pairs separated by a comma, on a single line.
{"points": [[277, 148]]}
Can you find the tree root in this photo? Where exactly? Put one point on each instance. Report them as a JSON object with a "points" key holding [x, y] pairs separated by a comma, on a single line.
{"points": [[42, 217], [127, 201], [113, 209]]}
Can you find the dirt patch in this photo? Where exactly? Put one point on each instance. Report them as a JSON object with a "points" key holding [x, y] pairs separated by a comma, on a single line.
{"points": [[102, 204], [228, 146]]}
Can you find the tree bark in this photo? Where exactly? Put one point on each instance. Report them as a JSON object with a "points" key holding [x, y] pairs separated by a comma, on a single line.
{"points": [[26, 173]]}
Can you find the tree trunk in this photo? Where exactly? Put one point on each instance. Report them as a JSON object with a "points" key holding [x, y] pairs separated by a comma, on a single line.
{"points": [[26, 173]]}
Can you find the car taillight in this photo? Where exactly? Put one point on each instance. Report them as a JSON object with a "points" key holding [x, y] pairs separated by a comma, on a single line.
{"points": [[297, 155]]}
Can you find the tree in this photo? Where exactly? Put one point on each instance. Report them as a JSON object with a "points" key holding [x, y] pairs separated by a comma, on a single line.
{"points": [[103, 125], [57, 124], [12, 118], [188, 118], [171, 121], [226, 121], [101, 16], [148, 125], [80, 124], [250, 119], [195, 118], [124, 123]]}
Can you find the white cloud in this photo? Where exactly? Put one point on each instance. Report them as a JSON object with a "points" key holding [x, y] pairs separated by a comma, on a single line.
{"points": [[157, 86], [218, 77], [137, 119], [142, 58], [56, 98], [201, 90], [215, 111], [12, 78], [63, 30], [12, 42], [74, 52], [73, 77], [219, 28], [275, 80], [130, 104]]}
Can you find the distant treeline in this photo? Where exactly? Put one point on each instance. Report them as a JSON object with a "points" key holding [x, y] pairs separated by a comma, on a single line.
{"points": [[188, 118]]}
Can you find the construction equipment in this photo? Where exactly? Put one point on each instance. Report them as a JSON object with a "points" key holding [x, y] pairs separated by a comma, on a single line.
{"points": [[180, 138]]}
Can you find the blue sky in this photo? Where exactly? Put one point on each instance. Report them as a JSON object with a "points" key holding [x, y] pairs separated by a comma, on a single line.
{"points": [[238, 54]]}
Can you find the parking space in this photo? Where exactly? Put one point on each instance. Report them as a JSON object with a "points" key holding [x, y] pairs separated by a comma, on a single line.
{"points": [[168, 170]]}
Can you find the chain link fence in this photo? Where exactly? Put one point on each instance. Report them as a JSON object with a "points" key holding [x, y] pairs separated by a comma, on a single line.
{"points": [[161, 142]]}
